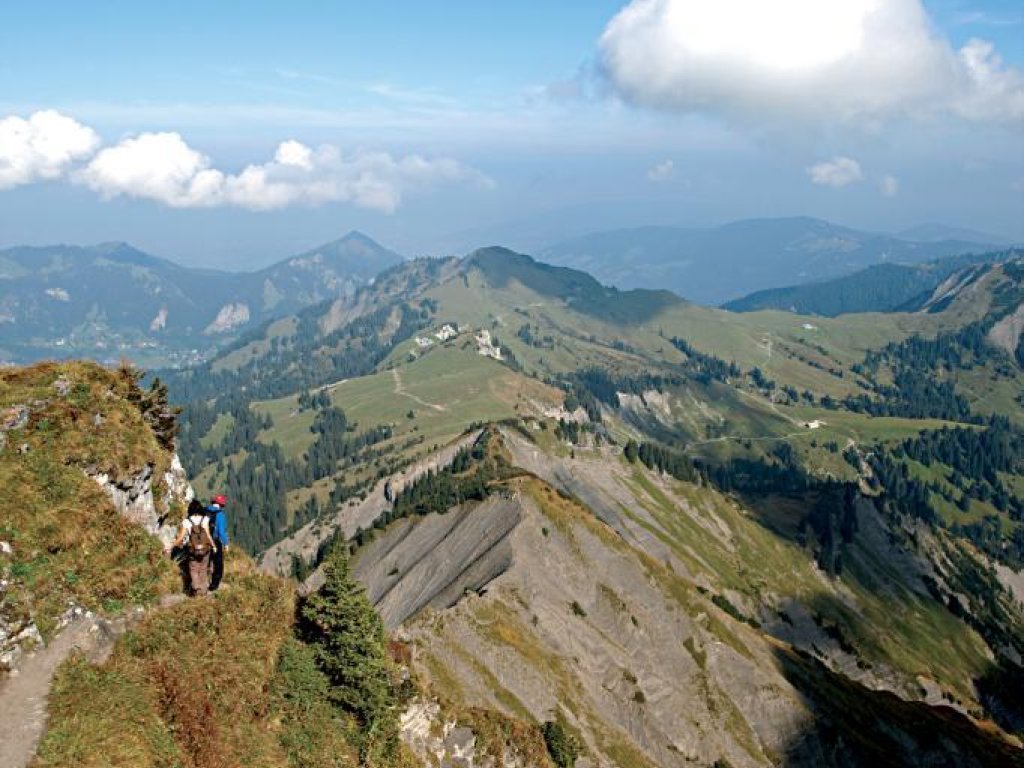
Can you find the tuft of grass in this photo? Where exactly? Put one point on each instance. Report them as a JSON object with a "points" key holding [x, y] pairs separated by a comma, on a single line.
{"points": [[102, 716]]}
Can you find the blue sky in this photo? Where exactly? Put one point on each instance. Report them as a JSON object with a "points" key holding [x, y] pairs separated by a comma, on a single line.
{"points": [[434, 126]]}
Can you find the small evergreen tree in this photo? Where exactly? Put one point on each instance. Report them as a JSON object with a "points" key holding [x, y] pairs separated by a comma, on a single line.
{"points": [[348, 640], [631, 451]]}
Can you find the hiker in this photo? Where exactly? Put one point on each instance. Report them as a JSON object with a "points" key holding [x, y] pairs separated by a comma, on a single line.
{"points": [[195, 535], [219, 530]]}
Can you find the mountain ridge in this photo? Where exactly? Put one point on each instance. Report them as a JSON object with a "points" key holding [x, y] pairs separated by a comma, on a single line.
{"points": [[716, 264], [115, 299], [878, 288]]}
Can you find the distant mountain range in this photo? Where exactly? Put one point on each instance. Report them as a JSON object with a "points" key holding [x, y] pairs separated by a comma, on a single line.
{"points": [[879, 288], [932, 233], [715, 265], [112, 299]]}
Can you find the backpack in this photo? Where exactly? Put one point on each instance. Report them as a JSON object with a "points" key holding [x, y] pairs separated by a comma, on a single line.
{"points": [[198, 545], [211, 520]]}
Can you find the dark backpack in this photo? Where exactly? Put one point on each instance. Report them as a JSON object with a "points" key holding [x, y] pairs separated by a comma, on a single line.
{"points": [[198, 544]]}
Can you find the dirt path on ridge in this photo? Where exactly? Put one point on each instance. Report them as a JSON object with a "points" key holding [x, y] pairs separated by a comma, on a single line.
{"points": [[25, 693], [400, 390]]}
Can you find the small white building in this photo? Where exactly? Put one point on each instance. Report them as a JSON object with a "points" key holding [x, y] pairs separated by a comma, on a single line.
{"points": [[423, 342], [485, 346], [446, 332]]}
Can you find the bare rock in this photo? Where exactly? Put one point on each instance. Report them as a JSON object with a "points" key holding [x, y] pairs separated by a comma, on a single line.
{"points": [[228, 318], [14, 417], [135, 500], [438, 741], [1006, 334]]}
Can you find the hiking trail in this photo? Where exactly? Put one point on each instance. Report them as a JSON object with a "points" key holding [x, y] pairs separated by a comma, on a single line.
{"points": [[25, 693], [400, 390]]}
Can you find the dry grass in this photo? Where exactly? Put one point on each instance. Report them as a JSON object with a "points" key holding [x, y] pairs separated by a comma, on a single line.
{"points": [[69, 544], [203, 684]]}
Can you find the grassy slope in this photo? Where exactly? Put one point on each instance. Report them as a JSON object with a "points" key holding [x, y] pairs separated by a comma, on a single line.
{"points": [[206, 683], [583, 338], [448, 387], [69, 543], [446, 390]]}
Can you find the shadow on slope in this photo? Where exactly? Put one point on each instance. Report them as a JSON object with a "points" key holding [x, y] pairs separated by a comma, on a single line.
{"points": [[855, 726]]}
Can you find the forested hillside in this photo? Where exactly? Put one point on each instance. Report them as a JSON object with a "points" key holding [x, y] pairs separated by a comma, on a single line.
{"points": [[879, 288]]}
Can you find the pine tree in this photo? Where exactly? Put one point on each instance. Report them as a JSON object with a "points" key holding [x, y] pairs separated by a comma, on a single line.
{"points": [[349, 643], [631, 451]]}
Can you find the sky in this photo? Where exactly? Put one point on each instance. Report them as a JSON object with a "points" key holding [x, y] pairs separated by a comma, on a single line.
{"points": [[233, 134]]}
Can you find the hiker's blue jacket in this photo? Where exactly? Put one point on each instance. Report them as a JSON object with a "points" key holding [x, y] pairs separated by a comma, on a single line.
{"points": [[220, 523]]}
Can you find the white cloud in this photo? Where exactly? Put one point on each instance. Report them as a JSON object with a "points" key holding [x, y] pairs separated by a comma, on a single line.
{"points": [[159, 166], [993, 91], [163, 167], [662, 171], [41, 147], [837, 172], [820, 60], [889, 186]]}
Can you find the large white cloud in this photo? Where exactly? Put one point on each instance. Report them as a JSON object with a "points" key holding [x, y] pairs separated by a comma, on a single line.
{"points": [[43, 146], [163, 167], [814, 59]]}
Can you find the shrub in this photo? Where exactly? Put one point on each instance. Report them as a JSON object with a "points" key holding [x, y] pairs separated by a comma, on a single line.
{"points": [[562, 745]]}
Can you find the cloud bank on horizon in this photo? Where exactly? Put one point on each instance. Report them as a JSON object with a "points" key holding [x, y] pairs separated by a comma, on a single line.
{"points": [[812, 60], [162, 167]]}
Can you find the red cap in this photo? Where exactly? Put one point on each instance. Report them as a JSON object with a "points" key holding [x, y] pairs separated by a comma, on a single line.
{"points": [[220, 500]]}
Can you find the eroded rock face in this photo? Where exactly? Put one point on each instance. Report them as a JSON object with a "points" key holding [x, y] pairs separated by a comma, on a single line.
{"points": [[437, 741], [134, 498], [432, 562], [1006, 334], [159, 322], [228, 318], [354, 515]]}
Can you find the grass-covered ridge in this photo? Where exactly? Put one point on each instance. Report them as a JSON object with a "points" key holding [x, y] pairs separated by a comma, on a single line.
{"points": [[68, 543], [206, 683]]}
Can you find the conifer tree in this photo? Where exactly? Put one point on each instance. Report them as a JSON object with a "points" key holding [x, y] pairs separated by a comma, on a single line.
{"points": [[349, 645]]}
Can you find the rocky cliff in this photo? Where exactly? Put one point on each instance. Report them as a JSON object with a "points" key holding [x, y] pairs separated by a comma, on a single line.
{"points": [[668, 625], [84, 479]]}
